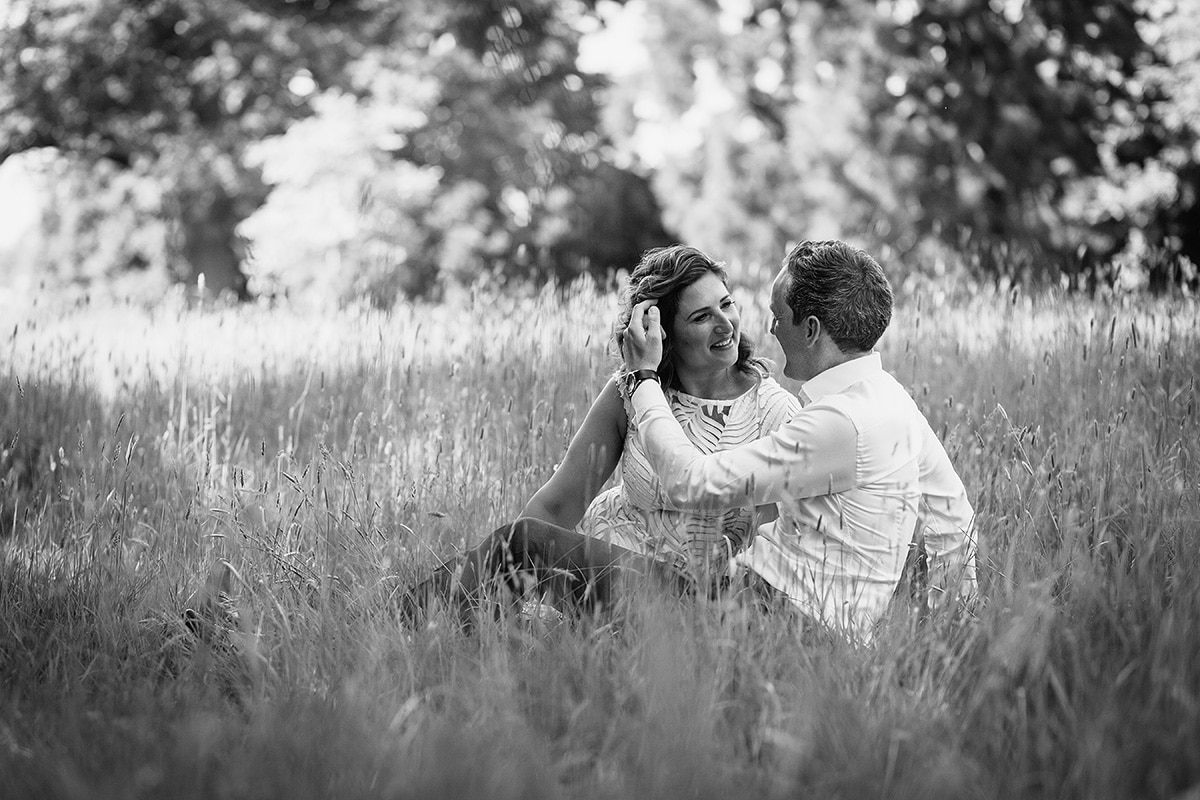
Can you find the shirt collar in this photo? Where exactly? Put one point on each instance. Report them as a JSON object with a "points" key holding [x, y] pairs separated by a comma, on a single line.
{"points": [[848, 373]]}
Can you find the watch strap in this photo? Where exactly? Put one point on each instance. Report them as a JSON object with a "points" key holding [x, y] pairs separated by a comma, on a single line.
{"points": [[635, 378]]}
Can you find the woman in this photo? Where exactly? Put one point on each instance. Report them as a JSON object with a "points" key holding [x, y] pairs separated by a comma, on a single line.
{"points": [[572, 540]]}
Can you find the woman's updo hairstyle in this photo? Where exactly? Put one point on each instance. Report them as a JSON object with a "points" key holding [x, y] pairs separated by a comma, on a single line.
{"points": [[662, 275]]}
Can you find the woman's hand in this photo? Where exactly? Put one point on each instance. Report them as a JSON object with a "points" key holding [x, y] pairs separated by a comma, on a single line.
{"points": [[642, 342]]}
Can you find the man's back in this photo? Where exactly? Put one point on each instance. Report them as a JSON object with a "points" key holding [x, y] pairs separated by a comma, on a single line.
{"points": [[839, 554]]}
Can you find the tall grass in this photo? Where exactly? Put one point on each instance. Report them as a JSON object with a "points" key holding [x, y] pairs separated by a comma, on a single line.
{"points": [[331, 460]]}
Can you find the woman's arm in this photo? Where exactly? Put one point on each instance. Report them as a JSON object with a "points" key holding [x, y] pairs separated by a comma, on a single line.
{"points": [[590, 460]]}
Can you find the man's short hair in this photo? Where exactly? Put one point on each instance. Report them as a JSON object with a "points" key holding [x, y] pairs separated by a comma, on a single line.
{"points": [[844, 288]]}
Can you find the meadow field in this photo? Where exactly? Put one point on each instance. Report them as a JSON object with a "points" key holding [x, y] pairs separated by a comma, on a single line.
{"points": [[331, 459]]}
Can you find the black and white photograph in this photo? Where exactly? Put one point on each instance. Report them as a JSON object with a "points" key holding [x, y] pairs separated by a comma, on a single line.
{"points": [[599, 399]]}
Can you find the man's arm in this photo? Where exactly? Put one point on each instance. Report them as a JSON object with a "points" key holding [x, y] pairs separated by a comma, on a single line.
{"points": [[812, 454], [946, 522]]}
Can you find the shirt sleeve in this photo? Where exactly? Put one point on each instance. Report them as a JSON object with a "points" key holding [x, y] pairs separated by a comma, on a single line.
{"points": [[946, 522], [813, 453]]}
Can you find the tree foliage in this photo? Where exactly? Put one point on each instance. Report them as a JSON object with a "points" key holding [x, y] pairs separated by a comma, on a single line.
{"points": [[1017, 115], [171, 92], [485, 96], [365, 148], [1031, 136]]}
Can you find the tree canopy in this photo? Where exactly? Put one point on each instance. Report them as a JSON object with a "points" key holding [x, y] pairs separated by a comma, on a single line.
{"points": [[1021, 109], [1029, 137], [194, 99], [369, 149], [170, 92]]}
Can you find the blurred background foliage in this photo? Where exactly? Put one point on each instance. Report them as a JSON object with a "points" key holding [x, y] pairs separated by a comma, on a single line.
{"points": [[366, 150]]}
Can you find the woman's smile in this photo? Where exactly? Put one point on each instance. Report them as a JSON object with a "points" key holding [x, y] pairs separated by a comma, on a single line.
{"points": [[725, 343]]}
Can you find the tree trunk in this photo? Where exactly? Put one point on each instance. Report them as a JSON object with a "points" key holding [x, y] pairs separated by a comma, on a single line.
{"points": [[207, 220]]}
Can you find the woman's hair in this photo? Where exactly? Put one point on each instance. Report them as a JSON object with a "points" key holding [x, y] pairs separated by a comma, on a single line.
{"points": [[662, 275]]}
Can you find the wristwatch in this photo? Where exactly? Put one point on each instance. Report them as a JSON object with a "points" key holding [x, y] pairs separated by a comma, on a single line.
{"points": [[634, 379]]}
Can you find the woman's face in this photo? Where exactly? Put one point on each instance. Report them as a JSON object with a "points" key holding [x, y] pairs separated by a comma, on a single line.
{"points": [[707, 326]]}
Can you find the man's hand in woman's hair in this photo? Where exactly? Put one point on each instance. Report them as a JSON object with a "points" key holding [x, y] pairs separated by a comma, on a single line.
{"points": [[642, 344]]}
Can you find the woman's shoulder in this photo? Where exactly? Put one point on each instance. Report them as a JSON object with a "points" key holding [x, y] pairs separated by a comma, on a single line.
{"points": [[768, 385], [772, 394]]}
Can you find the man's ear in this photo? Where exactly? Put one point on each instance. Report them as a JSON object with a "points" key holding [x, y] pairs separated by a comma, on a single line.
{"points": [[812, 329]]}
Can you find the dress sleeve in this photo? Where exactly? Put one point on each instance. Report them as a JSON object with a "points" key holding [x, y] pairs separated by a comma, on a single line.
{"points": [[776, 406]]}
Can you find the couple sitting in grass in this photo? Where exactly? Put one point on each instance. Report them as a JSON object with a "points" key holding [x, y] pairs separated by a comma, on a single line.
{"points": [[814, 501]]}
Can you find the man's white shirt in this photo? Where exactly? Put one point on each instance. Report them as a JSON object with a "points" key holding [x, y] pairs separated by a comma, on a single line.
{"points": [[858, 475]]}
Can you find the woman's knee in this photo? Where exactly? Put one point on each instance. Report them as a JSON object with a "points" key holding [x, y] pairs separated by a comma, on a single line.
{"points": [[531, 535], [512, 544]]}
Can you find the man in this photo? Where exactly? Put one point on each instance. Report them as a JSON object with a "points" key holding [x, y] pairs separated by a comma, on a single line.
{"points": [[854, 473]]}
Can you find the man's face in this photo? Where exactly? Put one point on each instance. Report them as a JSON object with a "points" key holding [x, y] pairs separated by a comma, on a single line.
{"points": [[785, 329]]}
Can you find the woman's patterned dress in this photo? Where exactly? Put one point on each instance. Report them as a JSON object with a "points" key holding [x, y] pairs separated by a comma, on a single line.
{"points": [[635, 515]]}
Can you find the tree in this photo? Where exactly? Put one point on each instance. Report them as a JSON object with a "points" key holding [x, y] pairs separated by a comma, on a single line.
{"points": [[750, 116], [170, 91], [1022, 134], [517, 117], [465, 147], [1175, 82], [179, 94], [1015, 116]]}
